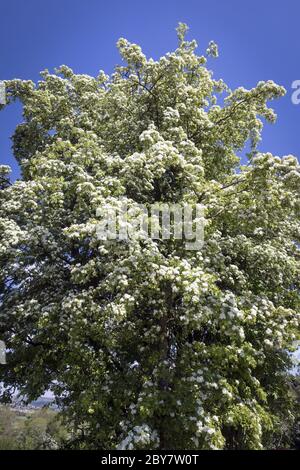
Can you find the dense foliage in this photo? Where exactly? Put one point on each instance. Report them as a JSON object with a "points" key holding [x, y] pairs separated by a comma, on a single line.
{"points": [[146, 344]]}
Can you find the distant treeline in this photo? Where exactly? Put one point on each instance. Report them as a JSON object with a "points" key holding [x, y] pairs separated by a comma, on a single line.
{"points": [[30, 429]]}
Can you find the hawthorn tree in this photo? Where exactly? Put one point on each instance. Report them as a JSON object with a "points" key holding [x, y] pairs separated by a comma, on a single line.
{"points": [[146, 344]]}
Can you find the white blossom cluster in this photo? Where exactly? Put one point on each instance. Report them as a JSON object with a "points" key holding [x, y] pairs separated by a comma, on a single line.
{"points": [[146, 344]]}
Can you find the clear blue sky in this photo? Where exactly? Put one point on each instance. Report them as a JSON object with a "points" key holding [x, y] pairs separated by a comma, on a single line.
{"points": [[258, 40]]}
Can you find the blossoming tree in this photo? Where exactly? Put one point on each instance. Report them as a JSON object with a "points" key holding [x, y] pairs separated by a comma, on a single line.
{"points": [[143, 343]]}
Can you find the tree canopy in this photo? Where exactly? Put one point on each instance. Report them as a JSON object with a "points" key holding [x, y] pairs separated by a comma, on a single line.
{"points": [[146, 344]]}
